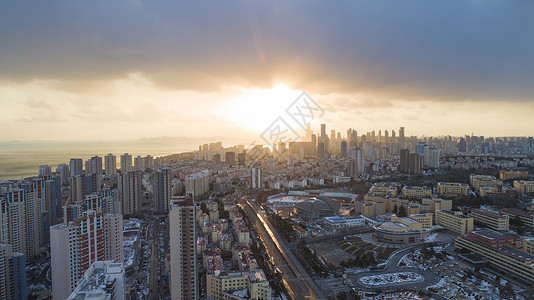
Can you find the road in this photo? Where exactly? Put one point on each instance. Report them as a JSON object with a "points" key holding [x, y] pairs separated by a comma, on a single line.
{"points": [[154, 263], [296, 279]]}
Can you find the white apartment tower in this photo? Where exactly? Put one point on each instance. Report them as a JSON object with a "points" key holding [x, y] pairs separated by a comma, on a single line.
{"points": [[110, 163], [126, 163]]}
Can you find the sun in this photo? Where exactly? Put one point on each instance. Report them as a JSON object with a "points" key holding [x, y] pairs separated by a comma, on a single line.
{"points": [[256, 109]]}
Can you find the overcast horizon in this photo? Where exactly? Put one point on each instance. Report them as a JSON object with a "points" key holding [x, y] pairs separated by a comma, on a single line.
{"points": [[106, 70]]}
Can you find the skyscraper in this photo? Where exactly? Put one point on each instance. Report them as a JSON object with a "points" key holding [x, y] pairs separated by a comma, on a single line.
{"points": [[45, 170], [401, 136], [404, 160], [162, 190], [62, 171], [320, 150], [77, 245], [110, 163], [129, 186], [77, 187], [95, 165], [229, 157], [344, 149], [357, 162], [416, 163], [183, 253], [255, 176], [126, 163], [12, 274], [76, 167]]}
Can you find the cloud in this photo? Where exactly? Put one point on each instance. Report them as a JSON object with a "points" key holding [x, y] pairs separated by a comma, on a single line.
{"points": [[412, 50]]}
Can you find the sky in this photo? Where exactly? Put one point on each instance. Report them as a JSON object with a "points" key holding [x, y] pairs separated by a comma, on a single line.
{"points": [[125, 69]]}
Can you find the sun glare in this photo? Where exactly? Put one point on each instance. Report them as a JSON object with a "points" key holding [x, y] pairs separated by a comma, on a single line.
{"points": [[256, 109]]}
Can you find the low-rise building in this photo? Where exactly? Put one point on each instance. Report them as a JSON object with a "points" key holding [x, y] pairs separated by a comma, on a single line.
{"points": [[515, 174], [425, 219], [416, 192], [224, 283], [526, 218], [491, 219], [524, 187], [103, 280], [501, 250], [452, 189], [454, 221], [344, 222], [478, 181]]}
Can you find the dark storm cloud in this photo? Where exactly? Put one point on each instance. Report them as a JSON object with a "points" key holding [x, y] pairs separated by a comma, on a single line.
{"points": [[448, 50]]}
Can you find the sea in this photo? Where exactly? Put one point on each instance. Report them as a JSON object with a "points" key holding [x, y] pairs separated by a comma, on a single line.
{"points": [[21, 159]]}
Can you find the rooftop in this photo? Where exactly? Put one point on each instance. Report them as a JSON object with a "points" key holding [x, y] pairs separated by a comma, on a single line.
{"points": [[492, 234]]}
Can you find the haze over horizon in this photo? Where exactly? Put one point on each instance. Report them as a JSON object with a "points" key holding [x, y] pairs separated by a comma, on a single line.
{"points": [[106, 70]]}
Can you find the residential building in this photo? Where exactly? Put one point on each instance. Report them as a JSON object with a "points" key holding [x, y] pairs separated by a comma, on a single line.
{"points": [[255, 176], [76, 167], [162, 190], [77, 245], [513, 174], [197, 184], [126, 163], [183, 254], [110, 163], [103, 280], [478, 181], [129, 186], [524, 187], [12, 274], [221, 285]]}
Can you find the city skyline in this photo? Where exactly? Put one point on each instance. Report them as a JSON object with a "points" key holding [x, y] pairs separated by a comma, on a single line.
{"points": [[134, 70]]}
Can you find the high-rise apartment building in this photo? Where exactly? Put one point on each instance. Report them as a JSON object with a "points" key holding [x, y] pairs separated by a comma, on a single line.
{"points": [[162, 189], [404, 165], [183, 254], [12, 274], [197, 184], [76, 167], [103, 280], [255, 176], [129, 186], [110, 163], [63, 171], [126, 163], [357, 162], [94, 165], [77, 245], [45, 170]]}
